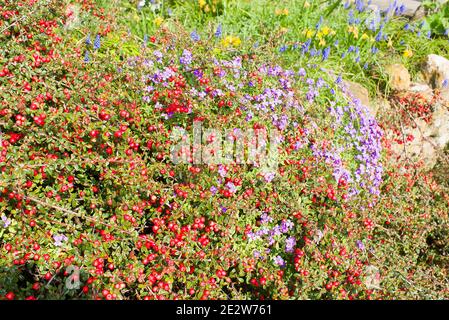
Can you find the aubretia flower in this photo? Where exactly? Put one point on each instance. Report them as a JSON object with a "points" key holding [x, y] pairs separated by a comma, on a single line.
{"points": [[279, 261], [286, 225], [6, 221], [231, 187], [195, 36], [290, 244], [158, 55], [360, 245], [213, 189], [186, 58], [269, 176], [59, 239], [265, 218], [222, 171], [97, 42], [445, 83]]}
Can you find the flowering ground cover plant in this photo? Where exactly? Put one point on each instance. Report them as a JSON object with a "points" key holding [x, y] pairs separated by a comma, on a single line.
{"points": [[143, 158]]}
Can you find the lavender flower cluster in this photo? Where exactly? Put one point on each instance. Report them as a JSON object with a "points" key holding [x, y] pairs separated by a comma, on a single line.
{"points": [[355, 153], [268, 235]]}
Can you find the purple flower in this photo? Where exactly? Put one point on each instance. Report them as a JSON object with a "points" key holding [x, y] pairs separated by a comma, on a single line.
{"points": [[279, 261], [222, 171], [379, 36], [59, 239], [88, 41], [86, 57], [339, 79], [326, 53], [97, 42], [6, 221], [140, 5], [286, 225], [265, 218], [218, 32], [360, 5], [231, 187], [186, 57], [213, 189], [290, 244], [360, 245], [195, 36], [269, 176]]}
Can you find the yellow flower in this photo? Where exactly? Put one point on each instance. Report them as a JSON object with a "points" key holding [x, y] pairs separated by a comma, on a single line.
{"points": [[322, 42], [236, 41], [407, 53], [354, 31], [283, 12], [364, 36], [306, 4], [231, 41], [390, 43], [308, 33], [326, 30], [202, 3], [158, 21]]}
